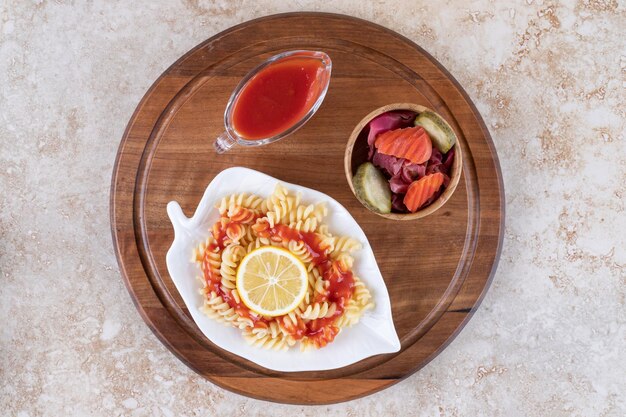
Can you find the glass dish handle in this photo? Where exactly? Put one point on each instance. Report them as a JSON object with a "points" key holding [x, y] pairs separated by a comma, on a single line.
{"points": [[224, 142]]}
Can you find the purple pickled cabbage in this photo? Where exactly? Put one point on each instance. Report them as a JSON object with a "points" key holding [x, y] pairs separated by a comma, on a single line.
{"points": [[387, 121], [389, 164], [397, 203], [431, 169], [449, 160], [405, 175], [412, 171], [435, 164], [398, 184], [446, 181], [436, 157]]}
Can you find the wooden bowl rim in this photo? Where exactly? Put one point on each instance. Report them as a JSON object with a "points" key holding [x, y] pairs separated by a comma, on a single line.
{"points": [[457, 167]]}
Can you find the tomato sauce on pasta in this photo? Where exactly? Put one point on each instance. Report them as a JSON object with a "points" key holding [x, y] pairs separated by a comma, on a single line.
{"points": [[213, 281], [340, 278], [335, 299]]}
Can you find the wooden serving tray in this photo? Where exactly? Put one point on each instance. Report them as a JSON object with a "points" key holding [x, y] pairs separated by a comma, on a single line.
{"points": [[437, 269]]}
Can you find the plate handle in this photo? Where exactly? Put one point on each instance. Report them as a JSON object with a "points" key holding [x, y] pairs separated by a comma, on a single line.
{"points": [[177, 217]]}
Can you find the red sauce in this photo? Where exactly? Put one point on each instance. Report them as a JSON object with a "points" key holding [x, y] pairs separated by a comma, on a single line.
{"points": [[219, 234], [221, 229], [319, 331], [341, 287], [322, 331], [213, 279], [311, 240], [341, 283], [276, 98]]}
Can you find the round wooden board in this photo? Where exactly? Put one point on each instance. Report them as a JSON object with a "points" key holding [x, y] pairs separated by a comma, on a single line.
{"points": [[437, 269]]}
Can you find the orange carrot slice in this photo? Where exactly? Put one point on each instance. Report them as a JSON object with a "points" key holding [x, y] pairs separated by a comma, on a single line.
{"points": [[421, 190], [412, 143]]}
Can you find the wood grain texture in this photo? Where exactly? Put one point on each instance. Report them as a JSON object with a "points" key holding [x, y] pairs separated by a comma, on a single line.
{"points": [[436, 269]]}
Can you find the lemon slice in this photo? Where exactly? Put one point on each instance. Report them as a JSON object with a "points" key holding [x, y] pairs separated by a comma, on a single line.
{"points": [[271, 281]]}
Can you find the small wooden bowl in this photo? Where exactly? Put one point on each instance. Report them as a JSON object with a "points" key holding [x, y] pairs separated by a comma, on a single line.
{"points": [[356, 154]]}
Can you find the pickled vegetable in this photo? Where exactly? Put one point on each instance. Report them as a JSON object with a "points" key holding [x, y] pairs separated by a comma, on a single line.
{"points": [[372, 189], [440, 133]]}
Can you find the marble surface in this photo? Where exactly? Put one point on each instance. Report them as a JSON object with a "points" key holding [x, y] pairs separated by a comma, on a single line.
{"points": [[549, 79]]}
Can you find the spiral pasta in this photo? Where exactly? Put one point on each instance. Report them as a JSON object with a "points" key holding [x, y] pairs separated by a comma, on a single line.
{"points": [[231, 255], [227, 203], [299, 249], [319, 311], [216, 307], [268, 341], [334, 299], [344, 245], [317, 284]]}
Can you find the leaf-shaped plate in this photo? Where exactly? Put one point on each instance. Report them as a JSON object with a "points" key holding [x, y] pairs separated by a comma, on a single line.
{"points": [[374, 334]]}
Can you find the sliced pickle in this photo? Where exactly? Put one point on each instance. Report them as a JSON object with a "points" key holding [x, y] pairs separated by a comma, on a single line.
{"points": [[440, 133], [372, 189]]}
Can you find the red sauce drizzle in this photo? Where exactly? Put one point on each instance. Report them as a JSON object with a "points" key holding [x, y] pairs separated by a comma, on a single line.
{"points": [[321, 331], [219, 234], [213, 279]]}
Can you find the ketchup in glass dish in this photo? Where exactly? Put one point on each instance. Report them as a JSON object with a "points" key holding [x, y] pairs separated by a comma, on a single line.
{"points": [[275, 99]]}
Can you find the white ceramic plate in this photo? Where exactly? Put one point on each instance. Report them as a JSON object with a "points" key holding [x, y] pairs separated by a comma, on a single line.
{"points": [[373, 335]]}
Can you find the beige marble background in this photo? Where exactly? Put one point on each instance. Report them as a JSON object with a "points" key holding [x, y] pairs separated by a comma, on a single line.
{"points": [[549, 78]]}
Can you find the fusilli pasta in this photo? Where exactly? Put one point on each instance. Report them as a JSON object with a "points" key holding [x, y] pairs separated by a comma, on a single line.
{"points": [[335, 298]]}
